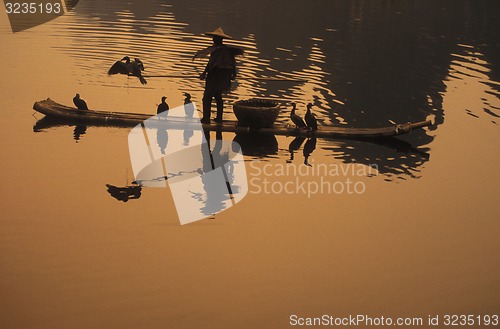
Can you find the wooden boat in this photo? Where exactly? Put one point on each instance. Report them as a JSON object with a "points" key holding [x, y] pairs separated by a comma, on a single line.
{"points": [[121, 119]]}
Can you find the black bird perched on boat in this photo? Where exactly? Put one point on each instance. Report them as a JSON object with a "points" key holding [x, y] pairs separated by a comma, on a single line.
{"points": [[163, 106], [80, 103], [188, 105], [299, 123], [127, 67], [312, 123]]}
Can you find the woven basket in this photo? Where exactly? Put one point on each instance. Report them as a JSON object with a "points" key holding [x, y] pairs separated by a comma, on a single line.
{"points": [[256, 113]]}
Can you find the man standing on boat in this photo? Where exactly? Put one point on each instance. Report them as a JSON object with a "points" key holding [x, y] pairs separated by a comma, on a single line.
{"points": [[218, 73]]}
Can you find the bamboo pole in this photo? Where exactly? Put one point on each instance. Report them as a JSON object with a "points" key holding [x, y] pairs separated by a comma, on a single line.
{"points": [[174, 76]]}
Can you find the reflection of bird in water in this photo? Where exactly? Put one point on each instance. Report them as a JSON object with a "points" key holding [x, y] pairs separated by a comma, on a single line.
{"points": [[294, 146], [128, 67], [188, 106], [299, 123], [188, 111], [80, 103], [125, 193], [163, 106], [309, 147], [312, 123], [162, 139], [78, 131], [187, 134]]}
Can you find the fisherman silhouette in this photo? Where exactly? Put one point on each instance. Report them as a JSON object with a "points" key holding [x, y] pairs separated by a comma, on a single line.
{"points": [[218, 73]]}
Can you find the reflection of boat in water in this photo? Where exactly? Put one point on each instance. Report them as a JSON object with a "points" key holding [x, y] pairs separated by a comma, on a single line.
{"points": [[257, 145], [53, 109]]}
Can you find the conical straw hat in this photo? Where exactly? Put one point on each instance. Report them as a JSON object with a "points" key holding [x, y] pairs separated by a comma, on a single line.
{"points": [[219, 32]]}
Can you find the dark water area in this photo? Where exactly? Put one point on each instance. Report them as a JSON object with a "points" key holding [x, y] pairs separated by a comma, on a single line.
{"points": [[79, 235], [367, 64]]}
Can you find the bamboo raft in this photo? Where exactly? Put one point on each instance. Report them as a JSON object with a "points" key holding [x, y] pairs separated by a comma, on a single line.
{"points": [[52, 109]]}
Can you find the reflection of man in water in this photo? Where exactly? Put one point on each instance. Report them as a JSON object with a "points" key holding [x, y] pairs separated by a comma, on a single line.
{"points": [[220, 70], [214, 199]]}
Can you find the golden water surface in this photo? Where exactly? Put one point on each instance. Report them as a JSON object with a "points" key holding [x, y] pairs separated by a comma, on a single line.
{"points": [[421, 239]]}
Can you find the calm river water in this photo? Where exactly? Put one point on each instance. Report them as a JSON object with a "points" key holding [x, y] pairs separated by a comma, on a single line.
{"points": [[418, 237]]}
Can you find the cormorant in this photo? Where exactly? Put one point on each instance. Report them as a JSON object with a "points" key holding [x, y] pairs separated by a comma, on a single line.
{"points": [[188, 106], [139, 63], [121, 67], [136, 70], [80, 103], [163, 106], [312, 123], [299, 123], [128, 67]]}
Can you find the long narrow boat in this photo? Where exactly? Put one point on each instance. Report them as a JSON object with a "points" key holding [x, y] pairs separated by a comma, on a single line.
{"points": [[121, 119]]}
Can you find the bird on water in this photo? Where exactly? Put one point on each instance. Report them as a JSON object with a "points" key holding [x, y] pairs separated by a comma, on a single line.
{"points": [[127, 67], [187, 98], [163, 106], [312, 123], [137, 68], [80, 103], [121, 67], [299, 123]]}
